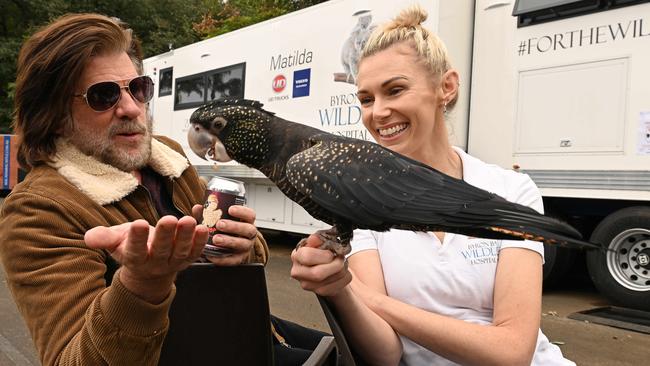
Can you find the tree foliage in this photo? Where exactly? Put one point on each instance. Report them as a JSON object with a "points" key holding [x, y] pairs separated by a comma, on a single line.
{"points": [[159, 24], [226, 16]]}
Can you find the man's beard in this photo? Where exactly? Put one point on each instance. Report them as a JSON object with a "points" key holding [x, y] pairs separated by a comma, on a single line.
{"points": [[101, 146]]}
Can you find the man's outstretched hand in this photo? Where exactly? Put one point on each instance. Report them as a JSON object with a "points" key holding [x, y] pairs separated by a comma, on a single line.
{"points": [[151, 257]]}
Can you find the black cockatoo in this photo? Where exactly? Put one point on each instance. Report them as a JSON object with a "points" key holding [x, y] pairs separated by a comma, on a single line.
{"points": [[350, 183]]}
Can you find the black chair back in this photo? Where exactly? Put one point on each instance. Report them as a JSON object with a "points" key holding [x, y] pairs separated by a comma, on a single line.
{"points": [[345, 357], [220, 316]]}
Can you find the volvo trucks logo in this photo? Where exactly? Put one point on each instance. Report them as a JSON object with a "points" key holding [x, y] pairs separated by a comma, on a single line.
{"points": [[301, 81], [279, 83]]}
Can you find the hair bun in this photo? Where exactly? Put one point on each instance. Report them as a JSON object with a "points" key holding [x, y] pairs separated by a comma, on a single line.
{"points": [[410, 17]]}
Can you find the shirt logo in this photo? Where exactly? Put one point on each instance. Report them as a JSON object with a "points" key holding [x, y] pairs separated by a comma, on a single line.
{"points": [[481, 251]]}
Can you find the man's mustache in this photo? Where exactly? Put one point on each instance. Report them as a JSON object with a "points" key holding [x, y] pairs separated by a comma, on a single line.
{"points": [[127, 127]]}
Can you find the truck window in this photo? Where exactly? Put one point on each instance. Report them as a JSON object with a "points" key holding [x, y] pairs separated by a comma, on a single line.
{"points": [[190, 92], [226, 83], [165, 81], [529, 12], [195, 90]]}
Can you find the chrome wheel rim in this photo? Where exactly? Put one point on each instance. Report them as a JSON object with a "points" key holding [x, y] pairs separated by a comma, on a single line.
{"points": [[628, 259]]}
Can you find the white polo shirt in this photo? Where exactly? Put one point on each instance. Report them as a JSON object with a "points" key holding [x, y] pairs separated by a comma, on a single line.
{"points": [[455, 278]]}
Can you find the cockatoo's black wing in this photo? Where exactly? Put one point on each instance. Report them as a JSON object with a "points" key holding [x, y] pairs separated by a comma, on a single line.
{"points": [[367, 186]]}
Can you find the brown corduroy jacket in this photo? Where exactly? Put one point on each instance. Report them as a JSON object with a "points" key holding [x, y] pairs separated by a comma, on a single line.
{"points": [[59, 284]]}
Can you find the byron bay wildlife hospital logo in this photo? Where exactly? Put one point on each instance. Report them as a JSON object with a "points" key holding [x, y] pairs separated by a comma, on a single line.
{"points": [[353, 45]]}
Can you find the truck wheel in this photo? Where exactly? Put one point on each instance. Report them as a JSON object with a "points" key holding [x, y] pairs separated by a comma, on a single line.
{"points": [[623, 272], [557, 262]]}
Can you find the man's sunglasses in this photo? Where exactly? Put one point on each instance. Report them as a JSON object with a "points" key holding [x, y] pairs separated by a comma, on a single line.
{"points": [[105, 95]]}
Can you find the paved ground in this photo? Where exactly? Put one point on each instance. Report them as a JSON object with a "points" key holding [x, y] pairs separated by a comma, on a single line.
{"points": [[585, 343]]}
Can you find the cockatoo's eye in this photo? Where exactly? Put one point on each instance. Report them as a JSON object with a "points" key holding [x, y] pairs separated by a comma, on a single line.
{"points": [[218, 123]]}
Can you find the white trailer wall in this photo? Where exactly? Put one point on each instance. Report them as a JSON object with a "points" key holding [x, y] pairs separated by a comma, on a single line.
{"points": [[304, 48], [565, 100]]}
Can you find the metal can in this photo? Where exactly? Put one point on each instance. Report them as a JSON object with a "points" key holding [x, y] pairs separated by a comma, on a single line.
{"points": [[220, 194]]}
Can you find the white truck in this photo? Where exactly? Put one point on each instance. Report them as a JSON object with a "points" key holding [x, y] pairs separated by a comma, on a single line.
{"points": [[561, 92], [558, 91]]}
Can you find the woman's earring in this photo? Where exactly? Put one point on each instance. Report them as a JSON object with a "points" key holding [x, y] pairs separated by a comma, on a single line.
{"points": [[444, 107]]}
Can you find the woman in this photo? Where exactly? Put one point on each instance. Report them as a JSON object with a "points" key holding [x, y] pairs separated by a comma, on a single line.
{"points": [[430, 298]]}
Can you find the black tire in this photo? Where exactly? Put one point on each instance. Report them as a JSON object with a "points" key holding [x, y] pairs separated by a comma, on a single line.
{"points": [[623, 273], [557, 262]]}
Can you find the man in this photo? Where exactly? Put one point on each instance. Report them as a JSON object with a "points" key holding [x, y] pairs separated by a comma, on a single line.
{"points": [[86, 139]]}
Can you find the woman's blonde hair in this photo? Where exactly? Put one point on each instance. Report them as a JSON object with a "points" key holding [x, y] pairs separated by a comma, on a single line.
{"points": [[407, 27]]}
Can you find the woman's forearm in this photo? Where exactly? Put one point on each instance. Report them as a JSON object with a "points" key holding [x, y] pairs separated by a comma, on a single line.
{"points": [[457, 340], [370, 336]]}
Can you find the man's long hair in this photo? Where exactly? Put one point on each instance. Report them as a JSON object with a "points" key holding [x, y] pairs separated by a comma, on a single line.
{"points": [[50, 64]]}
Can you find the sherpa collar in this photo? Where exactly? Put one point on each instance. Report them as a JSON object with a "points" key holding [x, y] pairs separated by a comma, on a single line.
{"points": [[105, 184]]}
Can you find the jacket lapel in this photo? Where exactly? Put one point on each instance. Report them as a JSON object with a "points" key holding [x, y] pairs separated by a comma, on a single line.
{"points": [[105, 184]]}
